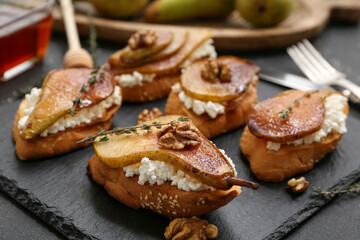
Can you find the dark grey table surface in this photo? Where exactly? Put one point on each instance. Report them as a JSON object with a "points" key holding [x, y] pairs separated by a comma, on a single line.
{"points": [[340, 219]]}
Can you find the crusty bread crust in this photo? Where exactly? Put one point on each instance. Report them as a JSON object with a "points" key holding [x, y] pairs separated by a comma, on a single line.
{"points": [[164, 199], [60, 142], [288, 161], [232, 119], [149, 91]]}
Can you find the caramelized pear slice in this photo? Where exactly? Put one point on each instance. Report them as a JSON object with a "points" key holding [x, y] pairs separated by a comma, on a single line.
{"points": [[59, 90], [203, 162], [195, 86], [177, 42], [305, 117], [129, 55], [193, 41]]}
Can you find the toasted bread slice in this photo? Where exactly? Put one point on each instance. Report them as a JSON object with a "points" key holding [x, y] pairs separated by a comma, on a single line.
{"points": [[164, 199]]}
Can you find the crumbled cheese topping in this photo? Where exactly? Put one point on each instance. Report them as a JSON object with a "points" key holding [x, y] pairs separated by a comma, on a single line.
{"points": [[137, 79], [134, 79], [199, 107], [85, 115], [334, 121], [204, 50], [229, 160], [159, 172]]}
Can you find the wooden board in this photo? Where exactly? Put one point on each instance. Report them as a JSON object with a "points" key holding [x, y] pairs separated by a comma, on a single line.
{"points": [[307, 20]]}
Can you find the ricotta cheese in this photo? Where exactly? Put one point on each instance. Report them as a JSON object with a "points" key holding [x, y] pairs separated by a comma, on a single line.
{"points": [[197, 106], [204, 50], [134, 79], [85, 115], [334, 121], [158, 172]]}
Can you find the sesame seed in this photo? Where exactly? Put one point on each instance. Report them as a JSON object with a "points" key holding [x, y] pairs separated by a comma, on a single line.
{"points": [[203, 202], [159, 199], [172, 206], [175, 201], [178, 205], [176, 196], [184, 210], [160, 194], [170, 198], [150, 193], [168, 210], [160, 211], [197, 203], [152, 203], [174, 213], [141, 198], [188, 210], [142, 205], [146, 197]]}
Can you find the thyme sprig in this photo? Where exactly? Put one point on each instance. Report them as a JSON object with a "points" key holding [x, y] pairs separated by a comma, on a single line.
{"points": [[338, 191], [284, 114], [85, 88], [103, 135]]}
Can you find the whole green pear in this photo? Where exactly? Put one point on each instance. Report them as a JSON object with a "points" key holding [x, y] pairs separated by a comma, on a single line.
{"points": [[182, 10], [118, 8], [264, 13]]}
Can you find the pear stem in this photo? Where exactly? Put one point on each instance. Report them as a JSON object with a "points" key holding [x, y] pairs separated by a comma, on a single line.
{"points": [[243, 183]]}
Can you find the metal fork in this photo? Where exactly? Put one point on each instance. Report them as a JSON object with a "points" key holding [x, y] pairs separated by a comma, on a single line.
{"points": [[319, 70]]}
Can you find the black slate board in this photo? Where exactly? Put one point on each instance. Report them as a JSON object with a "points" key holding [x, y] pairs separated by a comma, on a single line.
{"points": [[61, 193], [72, 203]]}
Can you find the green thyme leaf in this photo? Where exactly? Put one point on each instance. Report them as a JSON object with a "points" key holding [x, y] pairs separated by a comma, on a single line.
{"points": [[83, 89]]}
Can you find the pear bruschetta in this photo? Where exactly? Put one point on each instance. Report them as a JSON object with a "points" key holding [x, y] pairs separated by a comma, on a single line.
{"points": [[72, 104], [165, 165], [217, 94], [152, 61], [287, 134]]}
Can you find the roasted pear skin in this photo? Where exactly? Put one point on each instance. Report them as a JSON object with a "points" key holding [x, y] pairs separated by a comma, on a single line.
{"points": [[195, 86], [133, 55], [59, 90], [164, 65], [203, 162], [305, 118], [178, 41]]}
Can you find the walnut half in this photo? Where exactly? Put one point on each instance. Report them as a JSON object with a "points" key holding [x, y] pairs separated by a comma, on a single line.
{"points": [[147, 115], [179, 136], [142, 39], [190, 228], [214, 70], [298, 185]]}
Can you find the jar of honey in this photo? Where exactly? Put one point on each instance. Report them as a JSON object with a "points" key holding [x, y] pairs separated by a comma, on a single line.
{"points": [[25, 29]]}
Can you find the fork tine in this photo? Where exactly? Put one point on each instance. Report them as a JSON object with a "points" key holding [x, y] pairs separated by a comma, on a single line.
{"points": [[324, 63], [320, 70], [303, 63]]}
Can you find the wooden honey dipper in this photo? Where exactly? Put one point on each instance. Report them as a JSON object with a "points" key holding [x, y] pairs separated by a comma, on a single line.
{"points": [[75, 57]]}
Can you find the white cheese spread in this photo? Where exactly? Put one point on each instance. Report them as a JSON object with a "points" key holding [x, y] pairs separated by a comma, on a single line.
{"points": [[334, 121], [197, 106], [137, 79], [158, 172], [134, 79], [204, 50], [85, 115]]}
